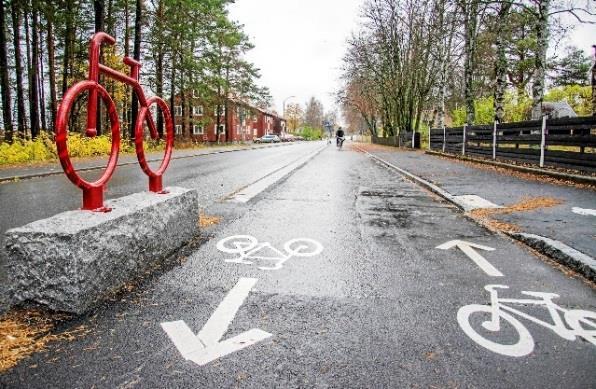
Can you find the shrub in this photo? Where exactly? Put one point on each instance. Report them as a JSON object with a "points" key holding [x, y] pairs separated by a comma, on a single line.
{"points": [[43, 148], [310, 133]]}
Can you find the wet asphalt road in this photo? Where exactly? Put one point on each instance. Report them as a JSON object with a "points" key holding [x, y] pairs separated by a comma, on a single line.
{"points": [[558, 222], [378, 307]]}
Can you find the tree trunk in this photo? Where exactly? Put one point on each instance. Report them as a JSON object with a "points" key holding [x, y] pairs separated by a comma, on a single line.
{"points": [[226, 117], [68, 43], [16, 27], [32, 72], [51, 62], [183, 104], [471, 20], [501, 64], [540, 58], [110, 19], [173, 92], [159, 59], [41, 79], [4, 81], [98, 7], [125, 111], [594, 83], [137, 56]]}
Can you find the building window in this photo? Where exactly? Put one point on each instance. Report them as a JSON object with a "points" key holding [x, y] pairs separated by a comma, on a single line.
{"points": [[177, 110], [221, 128], [197, 129], [195, 94], [222, 111], [178, 129], [197, 110]]}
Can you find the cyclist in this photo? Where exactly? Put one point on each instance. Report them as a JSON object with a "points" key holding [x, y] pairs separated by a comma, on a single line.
{"points": [[339, 137]]}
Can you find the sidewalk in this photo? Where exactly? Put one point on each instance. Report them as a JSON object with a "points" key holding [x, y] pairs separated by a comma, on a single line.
{"points": [[9, 173], [536, 206]]}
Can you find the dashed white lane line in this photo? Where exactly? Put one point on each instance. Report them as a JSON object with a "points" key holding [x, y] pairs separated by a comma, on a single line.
{"points": [[584, 211], [254, 189]]}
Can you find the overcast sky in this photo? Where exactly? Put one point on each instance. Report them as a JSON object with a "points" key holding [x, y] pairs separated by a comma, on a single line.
{"points": [[299, 44]]}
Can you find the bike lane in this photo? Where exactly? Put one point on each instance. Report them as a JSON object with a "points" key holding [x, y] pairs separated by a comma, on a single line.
{"points": [[376, 307]]}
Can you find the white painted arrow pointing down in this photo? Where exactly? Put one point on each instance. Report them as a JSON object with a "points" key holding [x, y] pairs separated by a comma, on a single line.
{"points": [[206, 347], [467, 248]]}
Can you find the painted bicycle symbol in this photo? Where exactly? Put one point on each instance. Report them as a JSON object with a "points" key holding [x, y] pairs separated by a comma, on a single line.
{"points": [[581, 323], [249, 249]]}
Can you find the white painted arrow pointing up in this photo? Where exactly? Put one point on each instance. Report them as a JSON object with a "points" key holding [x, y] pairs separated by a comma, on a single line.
{"points": [[467, 248], [206, 347]]}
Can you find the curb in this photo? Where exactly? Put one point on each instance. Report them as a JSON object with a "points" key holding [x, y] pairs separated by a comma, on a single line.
{"points": [[558, 251], [560, 175], [562, 253], [98, 167]]}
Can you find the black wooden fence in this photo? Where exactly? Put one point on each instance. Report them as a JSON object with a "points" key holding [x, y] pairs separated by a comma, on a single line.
{"points": [[566, 143]]}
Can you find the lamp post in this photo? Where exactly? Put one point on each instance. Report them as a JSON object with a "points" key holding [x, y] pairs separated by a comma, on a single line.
{"points": [[284, 106]]}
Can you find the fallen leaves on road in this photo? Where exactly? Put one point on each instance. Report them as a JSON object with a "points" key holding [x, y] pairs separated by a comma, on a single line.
{"points": [[484, 215], [501, 226], [26, 331], [206, 221], [526, 204], [431, 355]]}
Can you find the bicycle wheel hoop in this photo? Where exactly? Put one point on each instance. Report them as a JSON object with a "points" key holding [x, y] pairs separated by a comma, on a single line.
{"points": [[522, 347], [92, 191]]}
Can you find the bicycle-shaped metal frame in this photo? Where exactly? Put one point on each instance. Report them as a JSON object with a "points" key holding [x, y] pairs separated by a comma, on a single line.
{"points": [[576, 319], [248, 246], [93, 191]]}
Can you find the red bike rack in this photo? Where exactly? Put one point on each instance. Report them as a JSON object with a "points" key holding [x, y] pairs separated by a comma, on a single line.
{"points": [[93, 191]]}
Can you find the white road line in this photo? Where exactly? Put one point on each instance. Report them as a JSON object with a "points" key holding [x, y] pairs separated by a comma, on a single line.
{"points": [[228, 346], [584, 211], [183, 338], [206, 346], [260, 185], [479, 260], [218, 323]]}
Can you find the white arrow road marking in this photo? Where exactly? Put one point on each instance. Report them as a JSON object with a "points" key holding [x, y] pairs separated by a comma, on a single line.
{"points": [[466, 247], [206, 347], [584, 211], [228, 346]]}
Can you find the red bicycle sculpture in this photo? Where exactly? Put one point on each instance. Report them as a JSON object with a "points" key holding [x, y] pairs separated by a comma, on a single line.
{"points": [[93, 191]]}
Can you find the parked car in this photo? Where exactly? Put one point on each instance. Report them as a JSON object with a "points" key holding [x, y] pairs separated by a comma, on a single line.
{"points": [[268, 139], [288, 138]]}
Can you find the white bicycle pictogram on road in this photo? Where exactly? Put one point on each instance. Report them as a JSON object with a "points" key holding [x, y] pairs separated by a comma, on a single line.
{"points": [[249, 249], [581, 323]]}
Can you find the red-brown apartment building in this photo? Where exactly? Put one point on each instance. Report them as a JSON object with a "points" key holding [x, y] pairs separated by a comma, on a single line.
{"points": [[197, 120]]}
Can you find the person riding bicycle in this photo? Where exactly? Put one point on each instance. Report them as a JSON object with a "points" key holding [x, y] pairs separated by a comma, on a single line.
{"points": [[339, 136]]}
